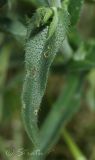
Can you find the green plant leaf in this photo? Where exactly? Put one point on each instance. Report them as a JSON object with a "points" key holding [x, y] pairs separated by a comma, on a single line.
{"points": [[33, 87], [39, 56], [13, 27], [74, 8]]}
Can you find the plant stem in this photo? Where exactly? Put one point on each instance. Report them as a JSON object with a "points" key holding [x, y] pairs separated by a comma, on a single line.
{"points": [[72, 146]]}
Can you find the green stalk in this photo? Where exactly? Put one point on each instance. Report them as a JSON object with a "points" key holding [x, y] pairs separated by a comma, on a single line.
{"points": [[74, 149]]}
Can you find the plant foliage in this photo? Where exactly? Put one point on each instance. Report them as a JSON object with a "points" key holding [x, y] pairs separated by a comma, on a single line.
{"points": [[46, 34]]}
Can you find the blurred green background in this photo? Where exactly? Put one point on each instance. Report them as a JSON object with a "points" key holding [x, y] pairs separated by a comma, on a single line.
{"points": [[14, 142]]}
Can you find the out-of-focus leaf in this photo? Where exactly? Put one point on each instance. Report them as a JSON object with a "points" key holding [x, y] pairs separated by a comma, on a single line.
{"points": [[80, 54], [89, 61], [90, 94], [79, 65], [74, 9], [15, 28], [38, 2], [5, 52]]}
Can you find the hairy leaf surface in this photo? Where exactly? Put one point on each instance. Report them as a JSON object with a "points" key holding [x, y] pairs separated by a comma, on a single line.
{"points": [[40, 53]]}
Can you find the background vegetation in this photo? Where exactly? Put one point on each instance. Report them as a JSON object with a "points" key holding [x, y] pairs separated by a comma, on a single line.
{"points": [[77, 139]]}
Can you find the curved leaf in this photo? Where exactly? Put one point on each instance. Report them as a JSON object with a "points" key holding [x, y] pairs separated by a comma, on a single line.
{"points": [[32, 90], [39, 56]]}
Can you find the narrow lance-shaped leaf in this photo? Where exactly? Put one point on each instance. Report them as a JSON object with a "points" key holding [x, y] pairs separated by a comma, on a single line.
{"points": [[40, 53]]}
